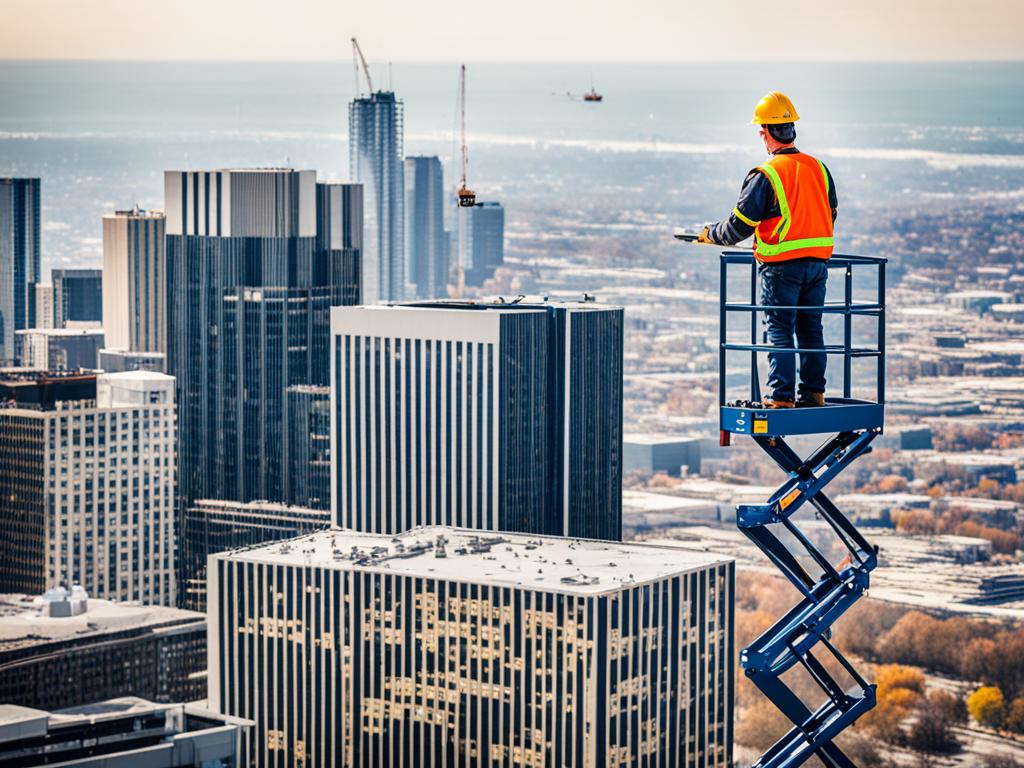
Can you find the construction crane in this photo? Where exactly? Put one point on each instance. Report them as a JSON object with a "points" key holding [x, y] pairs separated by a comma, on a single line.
{"points": [[467, 199], [803, 636], [357, 59]]}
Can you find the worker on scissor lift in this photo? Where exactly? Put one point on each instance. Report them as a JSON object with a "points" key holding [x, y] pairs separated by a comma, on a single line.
{"points": [[789, 204]]}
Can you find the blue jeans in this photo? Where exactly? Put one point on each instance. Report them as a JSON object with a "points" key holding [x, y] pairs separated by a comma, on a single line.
{"points": [[795, 283]]}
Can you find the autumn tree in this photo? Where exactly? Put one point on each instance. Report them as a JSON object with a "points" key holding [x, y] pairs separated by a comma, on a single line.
{"points": [[1015, 716], [986, 705], [932, 727], [900, 689]]}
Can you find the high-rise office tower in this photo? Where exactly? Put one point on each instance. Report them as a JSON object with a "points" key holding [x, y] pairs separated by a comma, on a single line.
{"points": [[375, 145], [481, 241], [77, 298], [135, 281], [213, 526], [339, 232], [444, 647], [425, 241], [251, 284], [45, 316], [309, 446], [493, 416], [59, 349], [87, 485], [19, 260]]}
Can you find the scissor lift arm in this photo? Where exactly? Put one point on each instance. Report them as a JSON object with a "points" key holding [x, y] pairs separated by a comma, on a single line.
{"points": [[806, 629]]}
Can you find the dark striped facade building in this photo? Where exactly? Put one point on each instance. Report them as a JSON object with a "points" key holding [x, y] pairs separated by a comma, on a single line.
{"points": [[221, 526], [443, 647], [490, 416], [20, 264], [251, 281]]}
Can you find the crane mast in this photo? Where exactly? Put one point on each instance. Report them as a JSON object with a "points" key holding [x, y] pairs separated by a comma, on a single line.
{"points": [[466, 197], [357, 59]]}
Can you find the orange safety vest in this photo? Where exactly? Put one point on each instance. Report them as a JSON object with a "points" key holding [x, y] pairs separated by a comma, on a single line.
{"points": [[804, 228]]}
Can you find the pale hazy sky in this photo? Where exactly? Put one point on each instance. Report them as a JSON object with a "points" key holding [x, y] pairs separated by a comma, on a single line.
{"points": [[515, 30]]}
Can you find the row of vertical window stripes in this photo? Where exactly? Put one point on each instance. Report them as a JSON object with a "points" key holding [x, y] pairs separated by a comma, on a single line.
{"points": [[594, 409], [416, 433], [343, 668]]}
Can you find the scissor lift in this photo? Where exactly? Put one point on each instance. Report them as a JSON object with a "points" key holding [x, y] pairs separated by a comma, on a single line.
{"points": [[853, 424]]}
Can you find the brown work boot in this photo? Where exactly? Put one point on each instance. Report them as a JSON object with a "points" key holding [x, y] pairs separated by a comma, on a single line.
{"points": [[811, 400], [777, 402]]}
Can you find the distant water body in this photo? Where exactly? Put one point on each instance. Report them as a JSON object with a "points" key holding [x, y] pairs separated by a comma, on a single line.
{"points": [[101, 133], [938, 107]]}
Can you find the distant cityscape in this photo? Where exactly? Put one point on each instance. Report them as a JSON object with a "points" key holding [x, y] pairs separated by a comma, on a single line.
{"points": [[315, 472]]}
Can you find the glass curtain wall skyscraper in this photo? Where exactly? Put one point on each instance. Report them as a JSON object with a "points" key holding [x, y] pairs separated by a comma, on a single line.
{"points": [[250, 289], [20, 267], [492, 416], [481, 240], [375, 142], [77, 298], [425, 242]]}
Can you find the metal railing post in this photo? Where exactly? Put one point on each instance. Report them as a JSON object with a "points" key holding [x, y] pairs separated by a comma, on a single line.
{"points": [[848, 335], [723, 292], [755, 379], [880, 389]]}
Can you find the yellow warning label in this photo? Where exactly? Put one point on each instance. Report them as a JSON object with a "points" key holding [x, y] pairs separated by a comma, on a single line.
{"points": [[760, 427], [789, 498]]}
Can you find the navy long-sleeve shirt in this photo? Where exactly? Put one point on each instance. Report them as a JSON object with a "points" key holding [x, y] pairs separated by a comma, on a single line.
{"points": [[758, 202]]}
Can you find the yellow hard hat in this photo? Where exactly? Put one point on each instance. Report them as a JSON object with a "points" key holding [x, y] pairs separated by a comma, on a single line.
{"points": [[774, 108]]}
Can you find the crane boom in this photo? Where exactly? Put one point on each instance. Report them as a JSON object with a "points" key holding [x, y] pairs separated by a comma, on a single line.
{"points": [[357, 56]]}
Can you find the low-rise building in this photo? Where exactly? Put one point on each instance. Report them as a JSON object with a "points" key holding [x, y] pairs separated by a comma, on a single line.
{"points": [[59, 349], [66, 649], [127, 731], [651, 454]]}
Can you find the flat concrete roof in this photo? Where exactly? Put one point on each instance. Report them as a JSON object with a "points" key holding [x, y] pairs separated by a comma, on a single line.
{"points": [[23, 624], [543, 563]]}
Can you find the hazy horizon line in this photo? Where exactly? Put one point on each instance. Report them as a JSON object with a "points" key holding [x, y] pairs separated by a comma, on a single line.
{"points": [[539, 62]]}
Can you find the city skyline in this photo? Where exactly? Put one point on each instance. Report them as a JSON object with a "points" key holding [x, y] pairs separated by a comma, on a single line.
{"points": [[571, 410]]}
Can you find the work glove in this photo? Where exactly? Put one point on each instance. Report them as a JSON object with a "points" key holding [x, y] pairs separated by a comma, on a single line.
{"points": [[705, 236]]}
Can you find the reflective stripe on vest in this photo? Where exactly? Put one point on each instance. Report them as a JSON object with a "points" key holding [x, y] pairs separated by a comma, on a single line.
{"points": [[769, 250]]}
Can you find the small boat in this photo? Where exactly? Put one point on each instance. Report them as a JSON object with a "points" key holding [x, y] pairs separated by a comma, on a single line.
{"points": [[592, 95]]}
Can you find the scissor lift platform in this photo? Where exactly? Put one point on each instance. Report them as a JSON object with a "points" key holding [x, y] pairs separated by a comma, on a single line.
{"points": [[838, 415], [853, 424]]}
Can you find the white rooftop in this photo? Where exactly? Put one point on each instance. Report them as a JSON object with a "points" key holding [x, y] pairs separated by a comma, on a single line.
{"points": [[550, 564], [22, 622], [137, 376], [61, 332]]}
